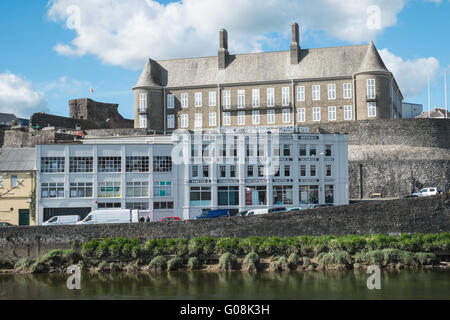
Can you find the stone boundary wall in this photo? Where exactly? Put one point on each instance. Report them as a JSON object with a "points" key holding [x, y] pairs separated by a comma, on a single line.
{"points": [[425, 215]]}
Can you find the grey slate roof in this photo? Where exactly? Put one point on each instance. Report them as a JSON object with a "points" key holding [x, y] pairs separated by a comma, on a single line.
{"points": [[265, 66], [17, 159], [7, 118]]}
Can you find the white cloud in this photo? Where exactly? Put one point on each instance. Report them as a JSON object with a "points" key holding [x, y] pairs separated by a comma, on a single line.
{"points": [[126, 32], [18, 97], [411, 75]]}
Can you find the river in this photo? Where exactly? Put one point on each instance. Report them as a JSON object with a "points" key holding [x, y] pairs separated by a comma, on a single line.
{"points": [[403, 284]]}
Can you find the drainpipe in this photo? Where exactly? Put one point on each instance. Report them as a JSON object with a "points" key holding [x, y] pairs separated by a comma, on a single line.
{"points": [[165, 107], [293, 103], [354, 96]]}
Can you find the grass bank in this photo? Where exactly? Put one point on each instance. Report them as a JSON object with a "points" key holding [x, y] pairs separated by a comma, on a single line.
{"points": [[247, 254]]}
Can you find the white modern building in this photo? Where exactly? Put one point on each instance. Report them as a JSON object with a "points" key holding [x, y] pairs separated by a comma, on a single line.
{"points": [[187, 173]]}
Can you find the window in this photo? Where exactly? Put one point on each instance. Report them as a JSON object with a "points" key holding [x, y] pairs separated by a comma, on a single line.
{"points": [[162, 205], [312, 170], [205, 171], [162, 164], [260, 151], [371, 109], [241, 118], [200, 196], [276, 170], [109, 164], [331, 91], [241, 99], [194, 171], [260, 171], [1, 181], [303, 150], [249, 171], [316, 92], [170, 101], [256, 196], [371, 88], [302, 170], [301, 115], [137, 205], [142, 121], [198, 99], [137, 189], [301, 93], [14, 181], [232, 171], [286, 115], [270, 116], [162, 189], [285, 96], [286, 150], [228, 196], [312, 151], [287, 170], [347, 90], [52, 190], [316, 114], [282, 195], [328, 170], [270, 97], [329, 194], [276, 150], [212, 99], [348, 113], [52, 164], [223, 171], [255, 98], [331, 113], [226, 99], [170, 121], [198, 120], [109, 189], [142, 102], [109, 205], [81, 164], [250, 150], [184, 100], [212, 119], [328, 149], [184, 120], [255, 117], [226, 119], [81, 190], [309, 194]]}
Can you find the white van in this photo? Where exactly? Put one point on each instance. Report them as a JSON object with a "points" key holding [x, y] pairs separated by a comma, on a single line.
{"points": [[111, 216], [256, 212], [62, 220]]}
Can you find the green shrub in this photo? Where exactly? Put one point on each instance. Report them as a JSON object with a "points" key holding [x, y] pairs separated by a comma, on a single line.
{"points": [[227, 245], [194, 263], [293, 260], [88, 249], [155, 246], [103, 266], [251, 262], [175, 263], [158, 263], [250, 244], [227, 261], [22, 265], [391, 256], [426, 258], [102, 250], [279, 264], [408, 258], [334, 258], [375, 257], [195, 247], [306, 261], [114, 267]]}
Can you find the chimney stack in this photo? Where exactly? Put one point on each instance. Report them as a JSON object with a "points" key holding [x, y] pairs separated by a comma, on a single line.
{"points": [[223, 49], [295, 44]]}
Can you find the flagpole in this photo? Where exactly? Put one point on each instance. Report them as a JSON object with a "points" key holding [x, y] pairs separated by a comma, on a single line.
{"points": [[445, 94], [429, 110]]}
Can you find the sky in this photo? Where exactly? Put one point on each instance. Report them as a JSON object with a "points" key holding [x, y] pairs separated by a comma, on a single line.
{"points": [[54, 51]]}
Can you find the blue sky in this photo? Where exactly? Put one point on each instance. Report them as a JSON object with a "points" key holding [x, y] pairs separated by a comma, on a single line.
{"points": [[44, 62]]}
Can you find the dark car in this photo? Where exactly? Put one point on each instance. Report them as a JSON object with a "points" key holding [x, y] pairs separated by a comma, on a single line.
{"points": [[242, 213], [277, 210], [5, 224], [166, 219], [326, 205]]}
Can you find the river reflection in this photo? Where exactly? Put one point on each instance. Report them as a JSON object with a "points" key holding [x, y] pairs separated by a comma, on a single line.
{"points": [[405, 284]]}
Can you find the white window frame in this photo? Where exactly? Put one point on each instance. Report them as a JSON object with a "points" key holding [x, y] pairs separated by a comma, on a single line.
{"points": [[371, 109], [301, 93], [170, 121], [143, 102], [332, 113], [142, 121], [255, 98], [301, 115], [286, 115], [184, 120], [285, 96], [212, 101], [198, 120], [316, 92], [226, 99], [198, 99], [316, 114], [184, 100], [241, 118], [170, 101], [371, 93], [212, 119], [331, 91], [226, 118], [241, 99], [255, 117], [270, 97], [271, 116], [347, 110], [347, 88]]}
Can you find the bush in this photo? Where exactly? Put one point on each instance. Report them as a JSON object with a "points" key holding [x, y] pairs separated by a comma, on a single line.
{"points": [[227, 245], [22, 265], [279, 264], [340, 257], [88, 249], [293, 260], [103, 266], [194, 263], [158, 263], [227, 262], [250, 244], [114, 267], [175, 263], [251, 262], [306, 261], [426, 258], [155, 246]]}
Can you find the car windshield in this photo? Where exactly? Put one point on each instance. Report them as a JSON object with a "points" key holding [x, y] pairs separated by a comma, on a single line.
{"points": [[53, 219]]}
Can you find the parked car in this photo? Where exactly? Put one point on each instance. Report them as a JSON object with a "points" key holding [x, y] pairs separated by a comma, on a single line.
{"points": [[167, 219], [213, 214], [323, 205], [426, 192], [294, 209], [273, 210], [242, 213], [257, 211], [62, 220], [5, 224], [111, 216]]}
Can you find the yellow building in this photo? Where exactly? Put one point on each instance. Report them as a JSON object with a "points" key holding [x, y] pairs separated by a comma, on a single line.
{"points": [[17, 184]]}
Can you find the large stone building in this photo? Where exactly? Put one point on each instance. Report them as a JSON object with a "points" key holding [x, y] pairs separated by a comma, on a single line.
{"points": [[286, 88]]}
